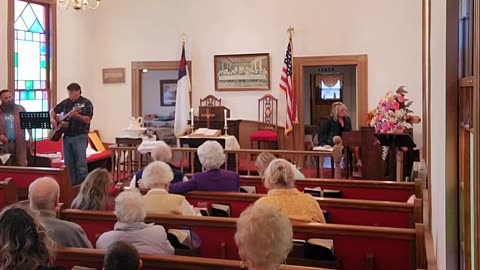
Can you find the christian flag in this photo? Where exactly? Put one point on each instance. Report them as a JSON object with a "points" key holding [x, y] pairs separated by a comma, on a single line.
{"points": [[182, 102], [286, 85]]}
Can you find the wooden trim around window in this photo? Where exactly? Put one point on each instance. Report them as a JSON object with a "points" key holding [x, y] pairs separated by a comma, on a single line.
{"points": [[137, 69], [360, 61]]}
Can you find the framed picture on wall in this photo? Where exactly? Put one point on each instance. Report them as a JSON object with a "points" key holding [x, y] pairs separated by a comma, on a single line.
{"points": [[241, 72], [168, 92]]}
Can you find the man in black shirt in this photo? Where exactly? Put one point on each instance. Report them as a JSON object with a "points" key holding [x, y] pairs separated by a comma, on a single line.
{"points": [[76, 128]]}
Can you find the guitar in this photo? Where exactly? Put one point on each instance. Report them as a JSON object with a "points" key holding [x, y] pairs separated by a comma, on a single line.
{"points": [[56, 133]]}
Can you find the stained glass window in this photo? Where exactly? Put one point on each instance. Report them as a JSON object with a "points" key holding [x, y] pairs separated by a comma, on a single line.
{"points": [[31, 55]]}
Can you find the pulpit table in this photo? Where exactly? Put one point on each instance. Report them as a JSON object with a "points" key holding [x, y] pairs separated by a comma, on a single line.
{"points": [[233, 126], [228, 142]]}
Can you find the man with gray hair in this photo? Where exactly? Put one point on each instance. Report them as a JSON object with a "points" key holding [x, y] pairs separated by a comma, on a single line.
{"points": [[161, 152], [130, 228], [43, 194], [213, 178]]}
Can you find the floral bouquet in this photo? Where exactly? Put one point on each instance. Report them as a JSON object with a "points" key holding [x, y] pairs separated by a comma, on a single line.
{"points": [[392, 114]]}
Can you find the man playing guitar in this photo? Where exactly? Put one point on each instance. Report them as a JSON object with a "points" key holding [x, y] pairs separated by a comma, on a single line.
{"points": [[75, 129]]}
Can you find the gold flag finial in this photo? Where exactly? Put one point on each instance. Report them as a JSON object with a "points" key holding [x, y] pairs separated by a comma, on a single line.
{"points": [[291, 30], [184, 37]]}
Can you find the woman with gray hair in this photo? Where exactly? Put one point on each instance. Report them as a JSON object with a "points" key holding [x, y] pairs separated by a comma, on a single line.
{"points": [[264, 237], [162, 152], [130, 228], [157, 177], [213, 178], [279, 179]]}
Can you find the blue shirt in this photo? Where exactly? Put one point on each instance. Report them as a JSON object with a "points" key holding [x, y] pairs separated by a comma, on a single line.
{"points": [[10, 124]]}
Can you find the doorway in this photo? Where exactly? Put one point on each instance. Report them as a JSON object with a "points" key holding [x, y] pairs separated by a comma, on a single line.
{"points": [[310, 65]]}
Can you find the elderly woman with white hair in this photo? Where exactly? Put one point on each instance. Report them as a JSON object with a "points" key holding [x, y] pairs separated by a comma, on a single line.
{"points": [[264, 237], [279, 179], [157, 177], [213, 178], [162, 152], [130, 228]]}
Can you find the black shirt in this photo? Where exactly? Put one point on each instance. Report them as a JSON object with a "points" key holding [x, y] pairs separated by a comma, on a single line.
{"points": [[76, 127], [333, 128]]}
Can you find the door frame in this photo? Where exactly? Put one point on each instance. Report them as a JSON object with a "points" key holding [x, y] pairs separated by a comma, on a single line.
{"points": [[360, 61], [137, 71]]}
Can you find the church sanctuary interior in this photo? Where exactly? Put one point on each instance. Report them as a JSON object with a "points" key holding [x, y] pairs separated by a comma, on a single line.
{"points": [[213, 134]]}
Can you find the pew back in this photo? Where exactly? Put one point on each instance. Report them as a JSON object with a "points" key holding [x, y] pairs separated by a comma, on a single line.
{"points": [[24, 176], [69, 257], [340, 211], [356, 246], [351, 189], [8, 193]]}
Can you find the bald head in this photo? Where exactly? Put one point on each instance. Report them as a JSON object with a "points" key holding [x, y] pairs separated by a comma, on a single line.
{"points": [[43, 193]]}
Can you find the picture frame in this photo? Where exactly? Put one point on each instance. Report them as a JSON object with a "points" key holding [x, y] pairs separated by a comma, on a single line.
{"points": [[113, 75], [168, 93], [242, 72]]}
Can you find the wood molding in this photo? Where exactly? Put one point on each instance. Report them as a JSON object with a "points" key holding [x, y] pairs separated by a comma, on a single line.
{"points": [[9, 190], [361, 61], [137, 69]]}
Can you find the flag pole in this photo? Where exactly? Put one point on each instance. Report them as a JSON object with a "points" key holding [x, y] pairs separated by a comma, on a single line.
{"points": [[290, 32]]}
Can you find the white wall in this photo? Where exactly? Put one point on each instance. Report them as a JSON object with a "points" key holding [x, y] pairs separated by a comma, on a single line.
{"points": [[126, 31], [3, 44], [437, 125], [151, 91]]}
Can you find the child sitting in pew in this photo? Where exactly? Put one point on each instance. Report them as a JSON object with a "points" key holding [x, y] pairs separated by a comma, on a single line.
{"points": [[95, 192], [280, 181]]}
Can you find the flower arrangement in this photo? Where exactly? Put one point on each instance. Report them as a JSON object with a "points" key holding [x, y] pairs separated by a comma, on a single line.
{"points": [[393, 114]]}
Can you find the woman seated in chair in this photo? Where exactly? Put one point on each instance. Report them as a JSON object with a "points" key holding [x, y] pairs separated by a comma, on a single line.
{"points": [[213, 178], [280, 181], [338, 122]]}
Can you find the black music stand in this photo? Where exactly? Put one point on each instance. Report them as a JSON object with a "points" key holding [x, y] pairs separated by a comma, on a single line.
{"points": [[394, 140], [35, 120]]}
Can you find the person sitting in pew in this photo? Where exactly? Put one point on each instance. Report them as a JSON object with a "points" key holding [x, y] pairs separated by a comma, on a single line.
{"points": [[24, 242], [264, 159], [43, 195], [213, 178], [264, 237], [122, 256], [94, 192], [162, 152], [157, 177], [130, 228], [280, 182]]}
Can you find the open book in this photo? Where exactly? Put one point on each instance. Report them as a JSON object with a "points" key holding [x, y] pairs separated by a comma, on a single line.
{"points": [[221, 210], [206, 132], [320, 249]]}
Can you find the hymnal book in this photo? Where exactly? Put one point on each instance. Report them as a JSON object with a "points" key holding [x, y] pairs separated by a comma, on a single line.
{"points": [[202, 210], [320, 249], [298, 248], [315, 192], [331, 193], [323, 148], [206, 132], [248, 189], [221, 210], [180, 238]]}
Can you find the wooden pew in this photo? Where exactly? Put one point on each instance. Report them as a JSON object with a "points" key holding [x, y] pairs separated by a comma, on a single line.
{"points": [[340, 211], [24, 176], [8, 193], [351, 189], [69, 257], [359, 247]]}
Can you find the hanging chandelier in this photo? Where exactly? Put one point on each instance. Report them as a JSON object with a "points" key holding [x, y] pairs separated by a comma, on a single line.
{"points": [[79, 4]]}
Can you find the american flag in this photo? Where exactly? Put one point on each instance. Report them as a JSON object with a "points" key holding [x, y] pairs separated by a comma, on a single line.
{"points": [[286, 85]]}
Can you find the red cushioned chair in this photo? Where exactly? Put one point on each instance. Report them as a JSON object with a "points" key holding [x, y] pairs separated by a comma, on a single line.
{"points": [[267, 118]]}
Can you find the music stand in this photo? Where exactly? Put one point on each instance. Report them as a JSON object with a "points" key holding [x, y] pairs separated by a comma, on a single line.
{"points": [[35, 120], [394, 140]]}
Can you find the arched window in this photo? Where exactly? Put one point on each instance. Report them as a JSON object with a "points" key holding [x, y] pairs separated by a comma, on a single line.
{"points": [[31, 55]]}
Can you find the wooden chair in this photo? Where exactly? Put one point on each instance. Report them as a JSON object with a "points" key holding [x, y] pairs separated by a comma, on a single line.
{"points": [[210, 101], [268, 122]]}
